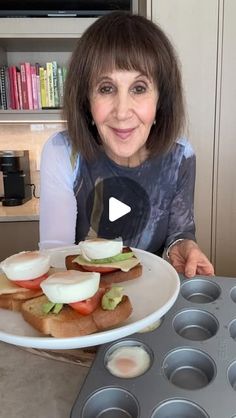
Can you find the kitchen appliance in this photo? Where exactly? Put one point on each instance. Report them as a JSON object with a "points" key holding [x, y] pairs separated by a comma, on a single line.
{"points": [[69, 8], [15, 169]]}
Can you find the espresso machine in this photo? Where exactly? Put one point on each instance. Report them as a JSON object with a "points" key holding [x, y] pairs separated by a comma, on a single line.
{"points": [[15, 169]]}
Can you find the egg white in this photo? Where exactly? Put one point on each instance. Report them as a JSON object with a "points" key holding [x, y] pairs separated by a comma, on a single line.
{"points": [[129, 361], [100, 248], [26, 265], [70, 286]]}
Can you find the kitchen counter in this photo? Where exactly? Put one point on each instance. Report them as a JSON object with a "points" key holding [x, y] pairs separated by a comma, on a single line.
{"points": [[29, 211], [33, 386]]}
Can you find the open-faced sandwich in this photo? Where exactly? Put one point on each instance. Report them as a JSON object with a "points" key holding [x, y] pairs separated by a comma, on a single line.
{"points": [[110, 258], [70, 303], [75, 304], [21, 278]]}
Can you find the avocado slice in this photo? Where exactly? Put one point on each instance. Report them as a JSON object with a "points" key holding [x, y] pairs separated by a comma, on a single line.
{"points": [[112, 298], [109, 260], [52, 307]]}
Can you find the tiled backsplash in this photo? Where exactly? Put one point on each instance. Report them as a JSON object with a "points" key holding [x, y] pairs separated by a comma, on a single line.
{"points": [[28, 136]]}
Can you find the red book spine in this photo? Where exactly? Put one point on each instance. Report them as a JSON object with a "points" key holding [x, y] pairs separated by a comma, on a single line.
{"points": [[29, 84], [18, 75], [15, 89], [25, 101]]}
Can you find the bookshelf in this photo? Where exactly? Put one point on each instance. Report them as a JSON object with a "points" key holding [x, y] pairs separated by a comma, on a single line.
{"points": [[38, 40]]}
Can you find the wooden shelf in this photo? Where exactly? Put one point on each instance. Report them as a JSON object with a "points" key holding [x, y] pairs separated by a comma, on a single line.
{"points": [[30, 116], [11, 28]]}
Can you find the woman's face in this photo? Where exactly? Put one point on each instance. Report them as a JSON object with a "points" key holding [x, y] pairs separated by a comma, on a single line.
{"points": [[123, 106]]}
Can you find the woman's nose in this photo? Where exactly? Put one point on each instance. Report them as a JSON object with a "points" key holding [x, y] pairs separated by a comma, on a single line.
{"points": [[122, 106]]}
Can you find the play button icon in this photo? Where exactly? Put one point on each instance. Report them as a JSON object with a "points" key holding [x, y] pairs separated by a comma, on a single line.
{"points": [[117, 209]]}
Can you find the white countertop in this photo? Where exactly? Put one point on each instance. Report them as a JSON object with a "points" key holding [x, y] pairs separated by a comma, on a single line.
{"points": [[29, 211]]}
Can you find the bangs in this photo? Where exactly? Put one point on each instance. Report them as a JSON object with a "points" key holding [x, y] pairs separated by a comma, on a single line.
{"points": [[124, 51]]}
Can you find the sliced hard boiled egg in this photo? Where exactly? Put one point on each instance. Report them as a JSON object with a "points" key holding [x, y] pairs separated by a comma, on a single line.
{"points": [[100, 248], [129, 361], [26, 265], [70, 286]]}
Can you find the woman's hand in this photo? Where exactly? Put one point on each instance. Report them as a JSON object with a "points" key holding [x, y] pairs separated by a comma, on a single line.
{"points": [[187, 258]]}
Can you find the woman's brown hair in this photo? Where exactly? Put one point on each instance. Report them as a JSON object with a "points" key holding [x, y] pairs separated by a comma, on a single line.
{"points": [[125, 42]]}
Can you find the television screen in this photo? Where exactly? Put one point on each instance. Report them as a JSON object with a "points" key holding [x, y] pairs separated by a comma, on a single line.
{"points": [[10, 8]]}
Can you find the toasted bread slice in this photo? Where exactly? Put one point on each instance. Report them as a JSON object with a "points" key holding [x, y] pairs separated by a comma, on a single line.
{"points": [[14, 301], [69, 323], [12, 296]]}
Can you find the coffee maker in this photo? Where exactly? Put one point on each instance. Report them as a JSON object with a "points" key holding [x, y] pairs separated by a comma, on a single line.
{"points": [[15, 169]]}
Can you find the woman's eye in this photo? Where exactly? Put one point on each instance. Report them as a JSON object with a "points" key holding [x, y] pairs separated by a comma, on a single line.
{"points": [[105, 89], [139, 89]]}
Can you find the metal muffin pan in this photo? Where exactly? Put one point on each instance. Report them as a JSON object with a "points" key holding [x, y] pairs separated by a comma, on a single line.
{"points": [[192, 371]]}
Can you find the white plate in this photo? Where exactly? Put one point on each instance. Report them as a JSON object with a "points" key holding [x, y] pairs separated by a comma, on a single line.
{"points": [[151, 295]]}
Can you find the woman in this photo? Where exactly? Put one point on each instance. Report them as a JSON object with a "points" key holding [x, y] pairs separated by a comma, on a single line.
{"points": [[125, 114]]}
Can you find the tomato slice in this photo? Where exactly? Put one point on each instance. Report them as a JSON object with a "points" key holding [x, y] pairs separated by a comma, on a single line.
{"points": [[85, 307], [99, 269], [31, 284]]}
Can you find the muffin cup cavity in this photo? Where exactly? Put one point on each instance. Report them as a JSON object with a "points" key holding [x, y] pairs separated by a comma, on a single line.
{"points": [[233, 294], [111, 402], [200, 291], [232, 329], [232, 375], [189, 368], [195, 324], [179, 408]]}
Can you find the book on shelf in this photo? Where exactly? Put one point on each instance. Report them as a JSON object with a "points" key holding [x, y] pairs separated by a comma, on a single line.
{"points": [[29, 84], [37, 67], [43, 86], [50, 85], [15, 70], [32, 86], [12, 93], [3, 87], [25, 101], [55, 84], [19, 88]]}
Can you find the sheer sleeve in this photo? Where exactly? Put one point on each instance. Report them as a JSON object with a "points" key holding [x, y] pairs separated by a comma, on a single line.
{"points": [[181, 219], [58, 208]]}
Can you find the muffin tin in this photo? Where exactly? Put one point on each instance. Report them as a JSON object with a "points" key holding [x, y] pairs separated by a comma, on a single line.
{"points": [[192, 371]]}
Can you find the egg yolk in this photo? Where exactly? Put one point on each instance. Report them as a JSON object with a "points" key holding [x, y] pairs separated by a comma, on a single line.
{"points": [[125, 365]]}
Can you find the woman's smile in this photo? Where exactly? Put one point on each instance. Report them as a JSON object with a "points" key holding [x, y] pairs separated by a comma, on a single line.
{"points": [[123, 133]]}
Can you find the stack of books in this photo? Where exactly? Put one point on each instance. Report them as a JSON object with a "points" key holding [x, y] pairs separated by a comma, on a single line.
{"points": [[32, 86]]}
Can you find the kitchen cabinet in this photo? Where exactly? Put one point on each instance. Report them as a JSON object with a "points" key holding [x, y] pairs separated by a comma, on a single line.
{"points": [[192, 27], [225, 176], [18, 236], [204, 35]]}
